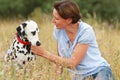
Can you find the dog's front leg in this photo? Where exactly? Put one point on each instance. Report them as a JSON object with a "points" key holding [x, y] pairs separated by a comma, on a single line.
{"points": [[10, 53]]}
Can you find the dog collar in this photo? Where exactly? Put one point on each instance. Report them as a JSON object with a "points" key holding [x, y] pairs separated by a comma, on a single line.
{"points": [[21, 41]]}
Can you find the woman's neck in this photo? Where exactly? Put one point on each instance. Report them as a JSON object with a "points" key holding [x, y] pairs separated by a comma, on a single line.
{"points": [[71, 31], [72, 28]]}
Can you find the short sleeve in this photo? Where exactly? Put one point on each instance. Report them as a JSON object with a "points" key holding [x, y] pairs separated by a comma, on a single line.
{"points": [[87, 36]]}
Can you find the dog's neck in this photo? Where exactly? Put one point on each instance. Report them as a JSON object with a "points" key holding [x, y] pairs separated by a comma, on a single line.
{"points": [[22, 40]]}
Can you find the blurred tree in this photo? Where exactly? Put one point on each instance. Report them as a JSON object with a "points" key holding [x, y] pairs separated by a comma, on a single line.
{"points": [[10, 8], [105, 9]]}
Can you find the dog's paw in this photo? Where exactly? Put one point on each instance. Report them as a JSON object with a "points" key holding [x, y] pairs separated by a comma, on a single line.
{"points": [[7, 56]]}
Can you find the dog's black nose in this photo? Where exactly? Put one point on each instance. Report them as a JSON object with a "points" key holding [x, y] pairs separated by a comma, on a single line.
{"points": [[38, 43]]}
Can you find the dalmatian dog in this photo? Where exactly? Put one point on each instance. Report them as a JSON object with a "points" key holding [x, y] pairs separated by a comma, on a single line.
{"points": [[19, 51]]}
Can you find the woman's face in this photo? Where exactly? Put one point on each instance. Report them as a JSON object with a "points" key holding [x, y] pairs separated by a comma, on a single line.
{"points": [[59, 21]]}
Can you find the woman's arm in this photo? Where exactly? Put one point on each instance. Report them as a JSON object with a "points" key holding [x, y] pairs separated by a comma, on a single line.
{"points": [[76, 57]]}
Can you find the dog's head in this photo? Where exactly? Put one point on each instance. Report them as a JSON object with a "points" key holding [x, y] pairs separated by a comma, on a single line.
{"points": [[29, 30]]}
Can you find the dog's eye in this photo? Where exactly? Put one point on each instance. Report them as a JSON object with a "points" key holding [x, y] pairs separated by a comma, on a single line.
{"points": [[33, 33], [37, 29]]}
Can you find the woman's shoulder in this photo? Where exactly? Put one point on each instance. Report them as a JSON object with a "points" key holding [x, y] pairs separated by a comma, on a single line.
{"points": [[84, 25]]}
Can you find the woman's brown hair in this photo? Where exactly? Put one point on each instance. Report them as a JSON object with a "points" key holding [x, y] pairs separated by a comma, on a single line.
{"points": [[68, 9]]}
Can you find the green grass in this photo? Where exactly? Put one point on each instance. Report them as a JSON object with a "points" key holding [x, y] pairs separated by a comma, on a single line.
{"points": [[108, 41]]}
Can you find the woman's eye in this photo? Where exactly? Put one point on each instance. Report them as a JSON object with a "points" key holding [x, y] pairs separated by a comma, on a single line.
{"points": [[56, 18]]}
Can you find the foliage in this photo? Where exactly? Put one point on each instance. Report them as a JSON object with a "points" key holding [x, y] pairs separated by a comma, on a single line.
{"points": [[10, 8], [105, 9]]}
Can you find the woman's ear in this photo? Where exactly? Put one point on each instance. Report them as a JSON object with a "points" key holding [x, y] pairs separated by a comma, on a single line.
{"points": [[69, 20]]}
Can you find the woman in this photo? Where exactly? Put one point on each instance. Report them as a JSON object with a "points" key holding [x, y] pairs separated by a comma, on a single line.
{"points": [[77, 46]]}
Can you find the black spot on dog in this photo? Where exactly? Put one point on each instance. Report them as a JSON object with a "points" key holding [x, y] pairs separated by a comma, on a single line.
{"points": [[18, 47], [17, 42], [14, 42], [26, 40], [23, 46], [26, 53], [18, 29], [28, 58], [24, 24], [33, 33], [32, 53], [23, 62], [28, 48], [13, 48], [15, 56], [21, 51]]}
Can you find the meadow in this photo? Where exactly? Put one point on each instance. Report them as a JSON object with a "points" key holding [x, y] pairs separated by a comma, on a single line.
{"points": [[108, 41]]}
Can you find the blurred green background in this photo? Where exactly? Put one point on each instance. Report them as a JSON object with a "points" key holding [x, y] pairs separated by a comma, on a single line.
{"points": [[108, 10]]}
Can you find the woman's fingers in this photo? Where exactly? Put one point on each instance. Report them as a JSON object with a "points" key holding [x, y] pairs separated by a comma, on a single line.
{"points": [[34, 49], [38, 50]]}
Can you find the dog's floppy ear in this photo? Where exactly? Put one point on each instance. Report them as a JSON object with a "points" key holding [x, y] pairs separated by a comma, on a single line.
{"points": [[18, 29], [21, 29]]}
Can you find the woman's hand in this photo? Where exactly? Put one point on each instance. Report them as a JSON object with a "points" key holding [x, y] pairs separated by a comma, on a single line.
{"points": [[38, 50], [59, 69]]}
